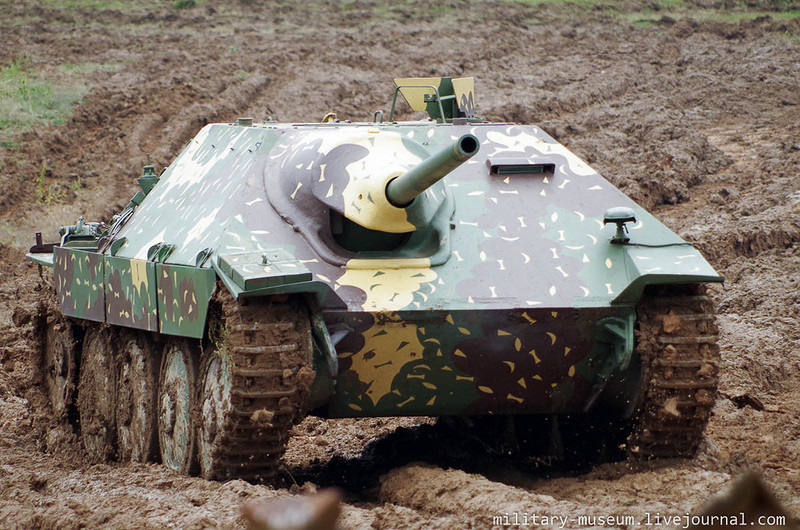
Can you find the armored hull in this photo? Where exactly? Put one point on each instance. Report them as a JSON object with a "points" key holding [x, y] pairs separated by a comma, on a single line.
{"points": [[498, 288]]}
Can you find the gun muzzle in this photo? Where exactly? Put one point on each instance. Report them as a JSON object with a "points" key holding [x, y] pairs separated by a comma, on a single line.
{"points": [[401, 191]]}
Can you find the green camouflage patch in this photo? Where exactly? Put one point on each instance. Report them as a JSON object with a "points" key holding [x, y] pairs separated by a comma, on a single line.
{"points": [[80, 283], [183, 296]]}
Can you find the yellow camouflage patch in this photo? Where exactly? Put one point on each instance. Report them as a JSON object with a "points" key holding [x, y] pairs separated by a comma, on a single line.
{"points": [[364, 196], [388, 289], [387, 349]]}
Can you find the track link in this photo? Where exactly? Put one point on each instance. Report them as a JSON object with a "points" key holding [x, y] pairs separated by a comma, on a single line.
{"points": [[268, 351], [677, 342]]}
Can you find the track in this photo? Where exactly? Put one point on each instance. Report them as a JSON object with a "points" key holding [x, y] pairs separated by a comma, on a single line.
{"points": [[677, 340], [256, 378]]}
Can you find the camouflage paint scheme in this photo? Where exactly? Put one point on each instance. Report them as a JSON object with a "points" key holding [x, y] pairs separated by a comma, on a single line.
{"points": [[80, 283], [525, 361], [170, 299], [131, 293], [489, 304], [183, 295]]}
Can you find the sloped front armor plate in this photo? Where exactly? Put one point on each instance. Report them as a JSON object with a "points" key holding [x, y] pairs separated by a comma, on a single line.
{"points": [[489, 362]]}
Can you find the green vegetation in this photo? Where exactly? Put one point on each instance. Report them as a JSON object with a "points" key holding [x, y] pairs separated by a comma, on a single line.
{"points": [[28, 100], [76, 184], [184, 4], [44, 193]]}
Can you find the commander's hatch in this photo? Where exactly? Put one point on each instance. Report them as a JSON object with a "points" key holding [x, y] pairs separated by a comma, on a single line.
{"points": [[443, 98]]}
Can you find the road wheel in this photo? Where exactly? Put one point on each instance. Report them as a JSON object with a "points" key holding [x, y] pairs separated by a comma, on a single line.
{"points": [[96, 389], [176, 403], [137, 394]]}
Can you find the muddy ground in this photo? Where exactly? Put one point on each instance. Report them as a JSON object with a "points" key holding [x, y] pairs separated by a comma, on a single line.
{"points": [[697, 118]]}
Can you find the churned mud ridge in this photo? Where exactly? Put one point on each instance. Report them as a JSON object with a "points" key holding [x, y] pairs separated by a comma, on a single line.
{"points": [[451, 442], [750, 238], [456, 493], [20, 311]]}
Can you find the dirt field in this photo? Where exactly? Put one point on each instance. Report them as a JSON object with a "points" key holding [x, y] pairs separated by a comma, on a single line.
{"points": [[693, 112]]}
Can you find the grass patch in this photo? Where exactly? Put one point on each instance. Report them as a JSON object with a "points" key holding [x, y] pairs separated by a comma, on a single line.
{"points": [[45, 194], [734, 16], [18, 20], [27, 100]]}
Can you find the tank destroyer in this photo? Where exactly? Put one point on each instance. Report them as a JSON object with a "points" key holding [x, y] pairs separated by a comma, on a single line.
{"points": [[444, 266]]}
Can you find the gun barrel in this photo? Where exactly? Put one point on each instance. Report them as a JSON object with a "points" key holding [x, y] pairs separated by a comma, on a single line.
{"points": [[402, 190]]}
